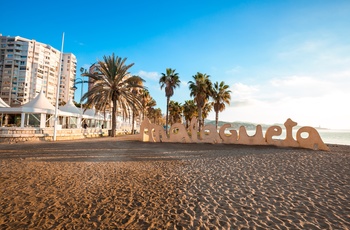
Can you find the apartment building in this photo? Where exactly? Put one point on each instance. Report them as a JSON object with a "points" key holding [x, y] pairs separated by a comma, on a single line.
{"points": [[28, 66], [68, 76]]}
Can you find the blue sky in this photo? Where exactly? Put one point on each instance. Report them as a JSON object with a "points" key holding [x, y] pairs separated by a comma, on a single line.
{"points": [[281, 59]]}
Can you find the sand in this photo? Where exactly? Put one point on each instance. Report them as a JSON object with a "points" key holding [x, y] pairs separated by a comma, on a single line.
{"points": [[109, 183]]}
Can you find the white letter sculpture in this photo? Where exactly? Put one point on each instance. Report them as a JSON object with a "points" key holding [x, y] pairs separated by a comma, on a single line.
{"points": [[178, 133]]}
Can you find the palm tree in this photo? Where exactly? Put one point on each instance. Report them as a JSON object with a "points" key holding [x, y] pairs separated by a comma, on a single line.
{"points": [[221, 96], [206, 110], [147, 102], [201, 89], [175, 112], [152, 103], [137, 92], [113, 84], [155, 115], [189, 111], [170, 80], [158, 116]]}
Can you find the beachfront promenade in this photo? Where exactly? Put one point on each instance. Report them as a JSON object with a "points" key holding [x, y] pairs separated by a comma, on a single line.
{"points": [[118, 183]]}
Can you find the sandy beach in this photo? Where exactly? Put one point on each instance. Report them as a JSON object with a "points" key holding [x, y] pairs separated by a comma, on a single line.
{"points": [[120, 183]]}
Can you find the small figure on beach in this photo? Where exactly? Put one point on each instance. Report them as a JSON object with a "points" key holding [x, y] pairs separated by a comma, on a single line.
{"points": [[85, 126]]}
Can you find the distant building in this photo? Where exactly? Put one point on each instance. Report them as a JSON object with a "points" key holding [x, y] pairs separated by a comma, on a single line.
{"points": [[28, 66]]}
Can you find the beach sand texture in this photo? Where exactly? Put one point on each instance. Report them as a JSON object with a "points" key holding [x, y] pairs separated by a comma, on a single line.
{"points": [[108, 183]]}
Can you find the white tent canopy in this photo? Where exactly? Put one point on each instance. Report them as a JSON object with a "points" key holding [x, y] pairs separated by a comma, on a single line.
{"points": [[3, 104], [41, 110], [40, 102], [70, 107]]}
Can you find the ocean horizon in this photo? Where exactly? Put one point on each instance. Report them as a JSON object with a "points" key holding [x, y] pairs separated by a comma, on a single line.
{"points": [[331, 136]]}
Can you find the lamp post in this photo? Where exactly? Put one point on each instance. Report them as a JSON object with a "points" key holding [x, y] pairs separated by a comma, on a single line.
{"points": [[58, 91], [81, 96], [82, 70]]}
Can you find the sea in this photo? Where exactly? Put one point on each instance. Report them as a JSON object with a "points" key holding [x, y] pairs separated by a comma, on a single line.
{"points": [[329, 136]]}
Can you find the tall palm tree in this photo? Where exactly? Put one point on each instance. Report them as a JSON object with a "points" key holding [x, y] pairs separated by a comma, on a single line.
{"points": [[221, 96], [175, 112], [113, 84], [201, 89], [189, 111], [169, 80]]}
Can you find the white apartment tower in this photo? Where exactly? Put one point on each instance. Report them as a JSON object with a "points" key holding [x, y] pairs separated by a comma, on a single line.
{"points": [[28, 66]]}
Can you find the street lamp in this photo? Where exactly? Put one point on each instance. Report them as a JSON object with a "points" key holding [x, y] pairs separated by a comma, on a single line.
{"points": [[82, 70], [82, 88], [81, 96]]}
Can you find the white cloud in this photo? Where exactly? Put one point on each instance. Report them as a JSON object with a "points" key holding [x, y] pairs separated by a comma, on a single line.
{"points": [[149, 75], [240, 90], [307, 100], [243, 95], [234, 70], [305, 47], [299, 86], [184, 84], [80, 43]]}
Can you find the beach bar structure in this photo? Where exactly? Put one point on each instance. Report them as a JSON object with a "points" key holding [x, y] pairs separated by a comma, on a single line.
{"points": [[35, 119]]}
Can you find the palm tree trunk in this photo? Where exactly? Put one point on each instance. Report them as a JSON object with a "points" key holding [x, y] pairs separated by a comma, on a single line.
{"points": [[133, 121], [216, 119], [167, 114], [200, 119], [114, 117]]}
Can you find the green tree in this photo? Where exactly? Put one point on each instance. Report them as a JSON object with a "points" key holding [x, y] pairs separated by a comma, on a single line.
{"points": [[206, 110], [137, 93], [221, 96], [147, 102], [155, 115], [175, 112], [169, 80], [113, 84], [189, 111], [201, 90]]}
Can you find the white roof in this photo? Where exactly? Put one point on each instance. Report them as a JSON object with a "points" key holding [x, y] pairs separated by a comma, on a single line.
{"points": [[3, 104], [70, 107], [40, 102], [90, 112]]}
